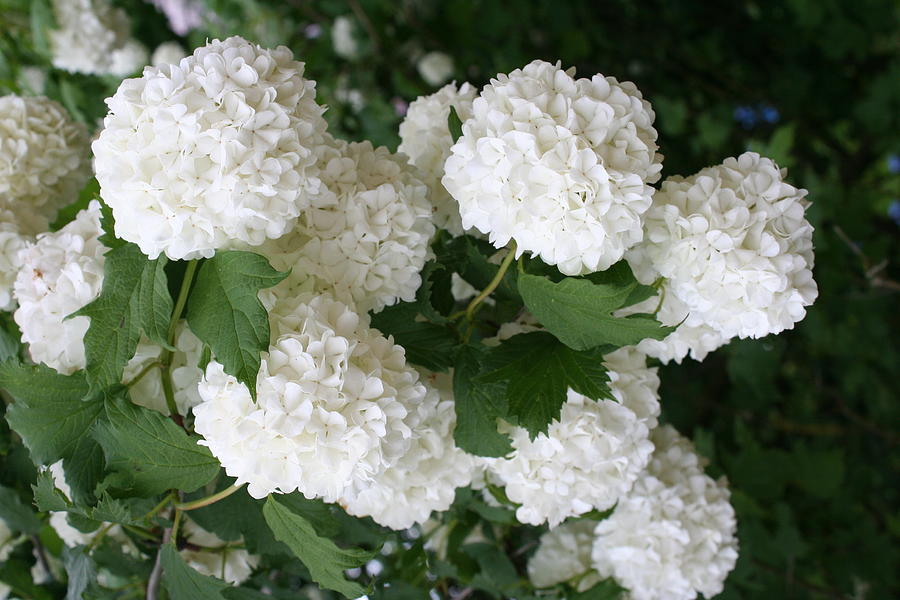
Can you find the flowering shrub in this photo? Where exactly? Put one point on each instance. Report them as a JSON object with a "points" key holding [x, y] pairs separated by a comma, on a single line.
{"points": [[244, 356]]}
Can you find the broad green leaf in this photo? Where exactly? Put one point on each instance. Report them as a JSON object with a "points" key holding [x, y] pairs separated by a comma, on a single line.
{"points": [[111, 510], [607, 589], [16, 514], [183, 582], [538, 370], [454, 124], [426, 344], [46, 495], [478, 406], [53, 415], [579, 312], [325, 561], [498, 575], [80, 571], [135, 298], [224, 311], [149, 453]]}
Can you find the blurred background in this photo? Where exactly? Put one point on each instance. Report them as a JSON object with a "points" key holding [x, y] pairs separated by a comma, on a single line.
{"points": [[805, 424]]}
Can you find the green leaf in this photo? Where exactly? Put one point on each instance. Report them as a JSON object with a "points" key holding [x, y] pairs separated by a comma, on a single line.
{"points": [[454, 124], [224, 311], [149, 453], [53, 416], [478, 406], [16, 514], [108, 223], [607, 589], [426, 344], [538, 370], [46, 495], [135, 297], [325, 561], [183, 582], [578, 312], [80, 571]]}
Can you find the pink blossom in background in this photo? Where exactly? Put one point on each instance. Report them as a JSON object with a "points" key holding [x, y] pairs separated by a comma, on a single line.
{"points": [[183, 15]]}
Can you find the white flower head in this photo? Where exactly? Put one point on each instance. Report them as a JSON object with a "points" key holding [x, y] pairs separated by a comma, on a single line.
{"points": [[591, 455], [210, 555], [673, 535], [435, 68], [94, 38], [564, 555], [333, 401], [734, 247], [167, 53], [425, 478], [343, 38], [426, 139], [365, 239], [217, 151], [44, 161], [11, 246], [559, 165]]}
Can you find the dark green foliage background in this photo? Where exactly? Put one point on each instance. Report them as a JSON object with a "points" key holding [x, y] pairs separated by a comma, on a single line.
{"points": [[805, 424]]}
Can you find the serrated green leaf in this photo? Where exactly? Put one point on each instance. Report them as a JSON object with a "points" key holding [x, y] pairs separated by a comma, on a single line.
{"points": [[53, 416], [16, 514], [46, 496], [80, 571], [538, 369], [135, 298], [224, 311], [108, 224], [478, 406], [183, 582], [149, 453], [426, 344], [579, 312], [454, 124], [325, 561]]}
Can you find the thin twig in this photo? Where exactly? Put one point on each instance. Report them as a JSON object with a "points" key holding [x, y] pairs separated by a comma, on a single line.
{"points": [[156, 573]]}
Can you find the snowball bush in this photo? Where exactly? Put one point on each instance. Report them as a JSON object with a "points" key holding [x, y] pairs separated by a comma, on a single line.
{"points": [[94, 38]]}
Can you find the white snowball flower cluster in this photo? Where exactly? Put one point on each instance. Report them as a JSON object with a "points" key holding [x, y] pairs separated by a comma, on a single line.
{"points": [[44, 161], [210, 555], [591, 455], [734, 247], [561, 166], [61, 272], [334, 398], [673, 536], [365, 239], [217, 151], [426, 139], [167, 53], [435, 68], [94, 38], [11, 246], [425, 478], [564, 555]]}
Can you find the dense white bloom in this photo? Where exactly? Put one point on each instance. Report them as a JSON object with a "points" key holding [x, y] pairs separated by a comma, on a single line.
{"points": [[34, 78], [435, 68], [210, 555], [94, 37], [183, 15], [559, 165], [343, 39], [734, 246], [591, 455], [44, 161], [673, 535], [333, 401], [11, 246], [564, 555], [426, 139], [425, 478], [169, 53], [214, 152], [365, 239]]}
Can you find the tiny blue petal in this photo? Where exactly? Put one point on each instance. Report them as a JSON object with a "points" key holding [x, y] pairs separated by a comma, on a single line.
{"points": [[893, 163], [770, 114]]}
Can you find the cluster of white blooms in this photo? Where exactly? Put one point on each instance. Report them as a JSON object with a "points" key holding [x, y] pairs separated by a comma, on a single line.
{"points": [[734, 248], [210, 555], [425, 478], [44, 161], [61, 272], [591, 455], [435, 68], [167, 53], [94, 37], [426, 139], [564, 555], [334, 402], [561, 166], [11, 246], [673, 536], [217, 151], [365, 238]]}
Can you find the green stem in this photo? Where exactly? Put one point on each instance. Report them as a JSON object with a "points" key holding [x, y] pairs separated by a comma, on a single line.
{"points": [[162, 504], [99, 537], [175, 523], [165, 358], [144, 371], [209, 499], [495, 282]]}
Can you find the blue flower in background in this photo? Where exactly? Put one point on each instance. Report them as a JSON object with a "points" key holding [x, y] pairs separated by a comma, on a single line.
{"points": [[750, 116], [769, 113], [893, 211], [746, 116], [893, 164]]}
